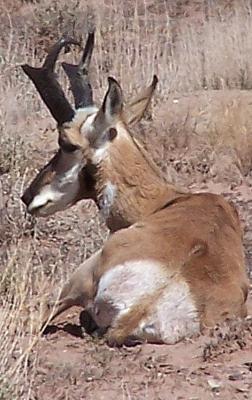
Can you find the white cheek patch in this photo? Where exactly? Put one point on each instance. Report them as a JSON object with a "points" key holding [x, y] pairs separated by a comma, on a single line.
{"points": [[46, 194], [100, 154], [60, 193], [106, 199]]}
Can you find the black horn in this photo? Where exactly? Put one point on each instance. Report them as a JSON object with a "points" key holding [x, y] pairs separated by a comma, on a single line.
{"points": [[45, 81], [78, 76]]}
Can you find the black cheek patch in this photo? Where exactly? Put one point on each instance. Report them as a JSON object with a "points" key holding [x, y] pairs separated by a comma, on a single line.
{"points": [[66, 146]]}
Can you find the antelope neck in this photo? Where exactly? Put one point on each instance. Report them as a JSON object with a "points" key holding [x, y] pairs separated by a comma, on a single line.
{"points": [[128, 188]]}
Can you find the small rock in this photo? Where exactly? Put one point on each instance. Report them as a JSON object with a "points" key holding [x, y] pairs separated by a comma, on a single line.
{"points": [[236, 376], [214, 384], [241, 389]]}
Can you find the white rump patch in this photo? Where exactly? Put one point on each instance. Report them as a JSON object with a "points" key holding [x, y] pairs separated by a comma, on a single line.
{"points": [[122, 287], [172, 315]]}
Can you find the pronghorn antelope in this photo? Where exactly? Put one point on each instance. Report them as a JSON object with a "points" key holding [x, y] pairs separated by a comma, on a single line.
{"points": [[67, 178], [176, 270]]}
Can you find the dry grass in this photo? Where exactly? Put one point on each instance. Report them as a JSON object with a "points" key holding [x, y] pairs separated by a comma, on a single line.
{"points": [[210, 49]]}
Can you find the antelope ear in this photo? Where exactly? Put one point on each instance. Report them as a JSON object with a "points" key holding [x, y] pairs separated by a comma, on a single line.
{"points": [[110, 111], [135, 108], [113, 101]]}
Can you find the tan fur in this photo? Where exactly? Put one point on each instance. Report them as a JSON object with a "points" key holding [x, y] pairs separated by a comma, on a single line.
{"points": [[140, 188]]}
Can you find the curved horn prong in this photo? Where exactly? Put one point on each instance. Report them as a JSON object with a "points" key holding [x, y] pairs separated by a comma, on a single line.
{"points": [[53, 54], [78, 76], [45, 81]]}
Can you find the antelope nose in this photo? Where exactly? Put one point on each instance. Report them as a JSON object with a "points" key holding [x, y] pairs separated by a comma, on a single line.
{"points": [[27, 197]]}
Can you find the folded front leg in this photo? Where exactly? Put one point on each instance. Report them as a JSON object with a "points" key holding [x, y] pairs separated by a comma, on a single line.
{"points": [[76, 292]]}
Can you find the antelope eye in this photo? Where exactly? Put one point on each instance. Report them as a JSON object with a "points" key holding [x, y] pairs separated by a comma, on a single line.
{"points": [[112, 133]]}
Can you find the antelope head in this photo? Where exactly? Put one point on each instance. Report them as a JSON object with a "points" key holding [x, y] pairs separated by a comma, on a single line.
{"points": [[64, 180], [69, 175]]}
